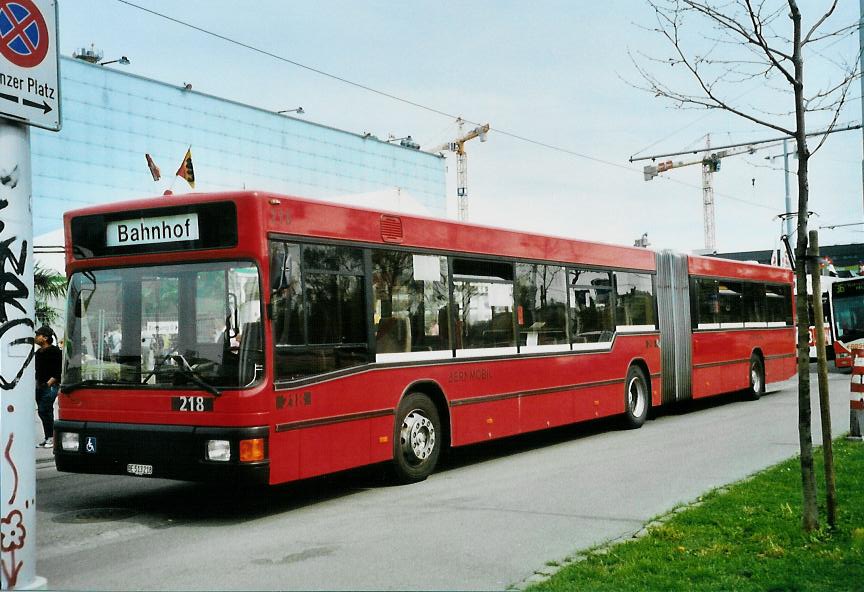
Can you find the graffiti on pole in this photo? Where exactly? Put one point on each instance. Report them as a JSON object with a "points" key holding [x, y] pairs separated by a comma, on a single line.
{"points": [[13, 294], [16, 344]]}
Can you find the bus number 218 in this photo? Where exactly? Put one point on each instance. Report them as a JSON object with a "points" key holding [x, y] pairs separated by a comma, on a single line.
{"points": [[192, 404]]}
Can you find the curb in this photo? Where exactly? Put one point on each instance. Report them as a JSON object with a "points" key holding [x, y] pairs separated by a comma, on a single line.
{"points": [[551, 568], [44, 460]]}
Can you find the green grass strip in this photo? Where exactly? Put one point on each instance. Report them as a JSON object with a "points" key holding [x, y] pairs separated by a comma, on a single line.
{"points": [[744, 537]]}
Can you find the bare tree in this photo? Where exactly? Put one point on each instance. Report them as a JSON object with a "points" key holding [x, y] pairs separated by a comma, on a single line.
{"points": [[718, 46]]}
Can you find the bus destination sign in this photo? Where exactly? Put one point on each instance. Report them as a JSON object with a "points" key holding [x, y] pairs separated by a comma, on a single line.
{"points": [[852, 288], [210, 225], [148, 231]]}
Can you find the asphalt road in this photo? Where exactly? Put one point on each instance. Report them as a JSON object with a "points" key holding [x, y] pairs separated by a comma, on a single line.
{"points": [[490, 517]]}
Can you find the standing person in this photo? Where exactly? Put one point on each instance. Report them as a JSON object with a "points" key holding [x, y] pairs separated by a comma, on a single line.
{"points": [[48, 368]]}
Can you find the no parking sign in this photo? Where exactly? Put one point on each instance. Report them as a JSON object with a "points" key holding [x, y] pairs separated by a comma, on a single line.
{"points": [[29, 81]]}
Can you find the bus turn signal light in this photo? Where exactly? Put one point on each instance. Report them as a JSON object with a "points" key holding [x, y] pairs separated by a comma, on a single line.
{"points": [[252, 450]]}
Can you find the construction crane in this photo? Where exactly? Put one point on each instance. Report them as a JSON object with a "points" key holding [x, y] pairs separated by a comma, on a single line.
{"points": [[458, 146], [710, 162]]}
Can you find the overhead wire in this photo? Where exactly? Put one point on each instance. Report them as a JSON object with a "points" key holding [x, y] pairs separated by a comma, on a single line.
{"points": [[412, 103]]}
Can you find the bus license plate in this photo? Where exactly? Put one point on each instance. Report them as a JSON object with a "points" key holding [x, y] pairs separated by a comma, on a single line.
{"points": [[192, 404], [139, 470]]}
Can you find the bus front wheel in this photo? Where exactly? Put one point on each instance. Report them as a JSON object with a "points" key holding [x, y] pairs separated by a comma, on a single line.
{"points": [[416, 438], [636, 398]]}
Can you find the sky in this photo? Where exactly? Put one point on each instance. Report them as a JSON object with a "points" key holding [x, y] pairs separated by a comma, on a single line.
{"points": [[555, 73]]}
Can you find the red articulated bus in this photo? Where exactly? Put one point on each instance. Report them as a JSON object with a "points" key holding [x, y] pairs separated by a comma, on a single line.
{"points": [[266, 338]]}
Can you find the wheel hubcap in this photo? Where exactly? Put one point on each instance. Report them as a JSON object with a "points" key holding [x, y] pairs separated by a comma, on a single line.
{"points": [[417, 437], [637, 401], [756, 379]]}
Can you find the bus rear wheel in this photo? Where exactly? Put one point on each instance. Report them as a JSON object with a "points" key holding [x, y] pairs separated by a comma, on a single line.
{"points": [[416, 438], [636, 398], [757, 378]]}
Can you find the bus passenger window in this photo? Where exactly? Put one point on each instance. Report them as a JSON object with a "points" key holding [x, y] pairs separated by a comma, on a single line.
{"points": [[318, 304], [591, 310], [707, 300], [754, 303], [634, 303], [778, 303], [541, 301], [410, 293], [729, 302], [483, 301]]}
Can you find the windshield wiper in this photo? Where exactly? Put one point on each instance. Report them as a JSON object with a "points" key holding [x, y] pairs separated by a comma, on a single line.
{"points": [[68, 388], [189, 372]]}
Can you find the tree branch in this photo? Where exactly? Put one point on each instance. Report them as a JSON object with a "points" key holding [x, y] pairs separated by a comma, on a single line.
{"points": [[819, 23], [836, 112]]}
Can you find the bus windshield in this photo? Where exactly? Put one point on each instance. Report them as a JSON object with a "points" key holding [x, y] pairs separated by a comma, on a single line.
{"points": [[195, 325], [849, 316]]}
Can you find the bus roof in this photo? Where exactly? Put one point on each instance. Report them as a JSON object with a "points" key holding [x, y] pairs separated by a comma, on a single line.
{"points": [[286, 215]]}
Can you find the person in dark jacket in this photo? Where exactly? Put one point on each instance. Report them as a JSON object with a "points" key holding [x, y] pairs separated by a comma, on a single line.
{"points": [[48, 369]]}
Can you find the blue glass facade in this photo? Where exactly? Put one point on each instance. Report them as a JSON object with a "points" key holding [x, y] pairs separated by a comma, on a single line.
{"points": [[111, 119]]}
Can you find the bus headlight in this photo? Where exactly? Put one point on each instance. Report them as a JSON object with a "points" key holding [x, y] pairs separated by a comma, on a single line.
{"points": [[219, 450], [70, 442]]}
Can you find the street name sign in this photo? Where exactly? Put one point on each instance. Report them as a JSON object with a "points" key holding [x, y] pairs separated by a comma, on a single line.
{"points": [[29, 63]]}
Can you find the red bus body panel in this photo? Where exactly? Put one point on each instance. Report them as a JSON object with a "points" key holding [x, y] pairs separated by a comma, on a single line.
{"points": [[347, 421]]}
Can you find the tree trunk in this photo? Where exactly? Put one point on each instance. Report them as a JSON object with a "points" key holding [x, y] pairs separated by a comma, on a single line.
{"points": [[810, 516]]}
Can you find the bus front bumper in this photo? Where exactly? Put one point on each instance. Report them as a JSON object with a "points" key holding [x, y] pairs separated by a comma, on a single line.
{"points": [[159, 451]]}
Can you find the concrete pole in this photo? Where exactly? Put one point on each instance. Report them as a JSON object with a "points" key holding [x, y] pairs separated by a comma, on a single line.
{"points": [[789, 228], [17, 378], [861, 62]]}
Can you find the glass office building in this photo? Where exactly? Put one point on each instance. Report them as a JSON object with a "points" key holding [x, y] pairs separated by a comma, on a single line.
{"points": [[111, 119]]}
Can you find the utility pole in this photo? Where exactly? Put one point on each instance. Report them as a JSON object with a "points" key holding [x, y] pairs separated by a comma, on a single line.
{"points": [[861, 62], [790, 229]]}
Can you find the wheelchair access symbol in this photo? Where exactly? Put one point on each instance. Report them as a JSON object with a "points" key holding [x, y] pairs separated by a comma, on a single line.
{"points": [[90, 445]]}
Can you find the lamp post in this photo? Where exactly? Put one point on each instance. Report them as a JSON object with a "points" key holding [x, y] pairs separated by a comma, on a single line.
{"points": [[406, 142], [122, 60], [785, 155], [298, 111]]}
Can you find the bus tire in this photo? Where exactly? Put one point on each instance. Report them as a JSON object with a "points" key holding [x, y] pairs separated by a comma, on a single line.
{"points": [[417, 438], [757, 378], [637, 398]]}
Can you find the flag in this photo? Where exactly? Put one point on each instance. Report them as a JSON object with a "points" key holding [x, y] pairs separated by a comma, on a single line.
{"points": [[154, 170], [186, 171]]}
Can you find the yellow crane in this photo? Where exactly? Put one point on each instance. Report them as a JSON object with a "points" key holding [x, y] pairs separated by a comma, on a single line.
{"points": [[458, 146]]}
